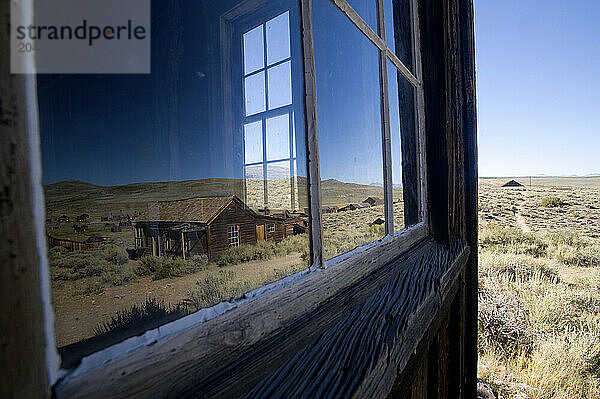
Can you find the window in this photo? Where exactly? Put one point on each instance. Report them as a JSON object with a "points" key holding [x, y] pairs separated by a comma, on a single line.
{"points": [[233, 236], [172, 169], [369, 142], [139, 237], [214, 148], [269, 123]]}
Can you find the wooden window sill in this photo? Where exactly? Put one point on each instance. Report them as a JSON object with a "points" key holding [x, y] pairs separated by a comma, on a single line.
{"points": [[369, 311]]}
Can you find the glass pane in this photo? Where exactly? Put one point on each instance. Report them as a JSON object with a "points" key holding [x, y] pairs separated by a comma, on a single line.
{"points": [[278, 137], [367, 9], [255, 186], [350, 148], [278, 38], [254, 58], [398, 29], [255, 93], [279, 185], [253, 145], [141, 195], [404, 149], [280, 85]]}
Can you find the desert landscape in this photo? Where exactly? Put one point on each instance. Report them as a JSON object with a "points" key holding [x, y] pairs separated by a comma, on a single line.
{"points": [[103, 288], [539, 315], [539, 287]]}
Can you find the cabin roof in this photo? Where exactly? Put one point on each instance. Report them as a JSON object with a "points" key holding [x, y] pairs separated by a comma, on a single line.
{"points": [[190, 210]]}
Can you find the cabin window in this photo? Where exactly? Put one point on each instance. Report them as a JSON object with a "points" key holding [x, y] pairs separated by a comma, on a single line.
{"points": [[214, 147], [233, 235], [368, 136], [196, 154], [139, 234]]}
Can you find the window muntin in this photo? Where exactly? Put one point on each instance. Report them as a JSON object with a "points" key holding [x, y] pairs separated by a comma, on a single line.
{"points": [[162, 158], [367, 10], [274, 116], [350, 131], [233, 235], [271, 228]]}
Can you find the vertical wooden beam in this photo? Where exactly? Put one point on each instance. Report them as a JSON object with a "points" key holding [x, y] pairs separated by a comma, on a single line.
{"points": [[182, 245], [471, 191], [23, 343], [434, 85], [312, 136], [385, 127]]}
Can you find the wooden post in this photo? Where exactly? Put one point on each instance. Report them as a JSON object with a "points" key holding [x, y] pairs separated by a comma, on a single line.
{"points": [[26, 347], [182, 246]]}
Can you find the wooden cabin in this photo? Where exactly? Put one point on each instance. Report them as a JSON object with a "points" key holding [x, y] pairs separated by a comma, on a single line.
{"points": [[396, 318], [204, 225], [373, 201]]}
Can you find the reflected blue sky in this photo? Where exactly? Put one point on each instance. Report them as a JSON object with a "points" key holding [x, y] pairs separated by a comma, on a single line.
{"points": [[172, 124], [348, 99]]}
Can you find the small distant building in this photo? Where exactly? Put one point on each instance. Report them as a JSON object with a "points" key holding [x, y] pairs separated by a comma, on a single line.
{"points": [[512, 183], [64, 219], [79, 228], [115, 229], [365, 205], [351, 207], [206, 225], [377, 222], [125, 223], [83, 218], [373, 201]]}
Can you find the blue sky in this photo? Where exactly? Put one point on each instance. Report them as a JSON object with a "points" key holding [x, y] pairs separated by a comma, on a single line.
{"points": [[538, 87]]}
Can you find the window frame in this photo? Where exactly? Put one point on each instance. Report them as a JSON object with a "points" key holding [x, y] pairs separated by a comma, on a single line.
{"points": [[349, 268], [236, 238]]}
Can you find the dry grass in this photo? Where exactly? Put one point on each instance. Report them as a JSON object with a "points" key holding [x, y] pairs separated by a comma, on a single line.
{"points": [[539, 314]]}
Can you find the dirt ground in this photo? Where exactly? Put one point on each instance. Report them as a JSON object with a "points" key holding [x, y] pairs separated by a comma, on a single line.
{"points": [[76, 314]]}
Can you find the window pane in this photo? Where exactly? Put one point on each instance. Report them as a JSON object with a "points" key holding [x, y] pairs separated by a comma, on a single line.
{"points": [[279, 185], [403, 132], [254, 58], [280, 85], [253, 145], [278, 38], [367, 9], [278, 137], [143, 175], [350, 147], [255, 93], [255, 187], [398, 29]]}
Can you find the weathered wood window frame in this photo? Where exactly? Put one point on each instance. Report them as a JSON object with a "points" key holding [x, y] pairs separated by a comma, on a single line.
{"points": [[233, 235], [413, 233], [404, 282]]}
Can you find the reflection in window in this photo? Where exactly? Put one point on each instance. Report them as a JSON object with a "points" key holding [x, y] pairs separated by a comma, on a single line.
{"points": [[270, 106], [367, 10], [233, 235], [156, 185], [350, 145], [398, 29], [404, 149]]}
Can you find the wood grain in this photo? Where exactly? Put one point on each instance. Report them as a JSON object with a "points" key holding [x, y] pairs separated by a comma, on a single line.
{"points": [[22, 329]]}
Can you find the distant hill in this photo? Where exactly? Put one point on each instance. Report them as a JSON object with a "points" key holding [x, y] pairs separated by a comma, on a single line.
{"points": [[72, 196]]}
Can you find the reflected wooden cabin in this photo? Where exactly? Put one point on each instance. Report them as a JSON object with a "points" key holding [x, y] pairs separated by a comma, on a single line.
{"points": [[206, 225]]}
